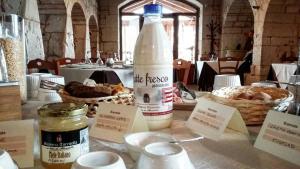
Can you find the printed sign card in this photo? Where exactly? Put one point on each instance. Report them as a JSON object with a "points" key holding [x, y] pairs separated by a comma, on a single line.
{"points": [[113, 121], [210, 119], [18, 144], [280, 136]]}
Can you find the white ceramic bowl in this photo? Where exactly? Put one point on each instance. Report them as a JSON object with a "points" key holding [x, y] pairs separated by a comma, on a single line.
{"points": [[136, 142], [99, 160], [164, 156], [55, 79], [48, 95], [6, 161]]}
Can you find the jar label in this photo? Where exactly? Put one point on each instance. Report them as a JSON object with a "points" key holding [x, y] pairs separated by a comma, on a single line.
{"points": [[153, 88], [64, 147]]}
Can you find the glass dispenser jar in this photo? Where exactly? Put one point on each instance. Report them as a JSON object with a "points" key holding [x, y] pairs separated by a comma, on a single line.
{"points": [[12, 45]]}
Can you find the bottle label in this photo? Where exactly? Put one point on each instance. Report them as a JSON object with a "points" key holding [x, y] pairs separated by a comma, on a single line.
{"points": [[153, 88], [64, 147]]}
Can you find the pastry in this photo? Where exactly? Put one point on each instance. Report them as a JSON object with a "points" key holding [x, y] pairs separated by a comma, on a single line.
{"points": [[77, 89]]}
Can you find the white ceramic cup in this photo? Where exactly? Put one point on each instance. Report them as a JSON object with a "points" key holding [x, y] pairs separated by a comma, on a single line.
{"points": [[99, 160], [164, 155], [6, 161], [48, 96], [135, 142]]}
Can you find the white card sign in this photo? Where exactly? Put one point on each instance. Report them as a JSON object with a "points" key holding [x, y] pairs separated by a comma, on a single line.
{"points": [[113, 121], [280, 136], [16, 137], [210, 119]]}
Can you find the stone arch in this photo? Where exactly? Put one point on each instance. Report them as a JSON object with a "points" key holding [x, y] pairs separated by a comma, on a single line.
{"points": [[79, 30], [93, 34], [238, 22], [281, 32], [53, 18]]}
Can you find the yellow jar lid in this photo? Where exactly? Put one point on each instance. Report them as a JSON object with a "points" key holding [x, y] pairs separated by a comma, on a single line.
{"points": [[62, 110]]}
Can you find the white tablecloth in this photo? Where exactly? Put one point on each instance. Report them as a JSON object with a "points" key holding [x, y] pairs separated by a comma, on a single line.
{"points": [[214, 65], [283, 71], [80, 74], [233, 151]]}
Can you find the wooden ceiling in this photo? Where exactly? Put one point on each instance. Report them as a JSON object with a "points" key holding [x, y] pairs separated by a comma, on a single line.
{"points": [[173, 5]]}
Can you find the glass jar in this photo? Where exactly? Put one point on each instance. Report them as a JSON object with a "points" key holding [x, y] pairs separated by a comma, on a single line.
{"points": [[63, 129], [12, 44]]}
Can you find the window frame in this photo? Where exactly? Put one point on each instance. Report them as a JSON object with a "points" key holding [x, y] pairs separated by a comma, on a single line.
{"points": [[175, 17]]}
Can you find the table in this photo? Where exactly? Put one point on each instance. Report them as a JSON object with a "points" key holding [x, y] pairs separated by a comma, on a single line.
{"points": [[80, 74], [233, 151], [206, 71], [281, 72]]}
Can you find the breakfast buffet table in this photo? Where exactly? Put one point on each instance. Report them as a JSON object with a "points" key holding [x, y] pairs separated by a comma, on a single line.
{"points": [[233, 151]]}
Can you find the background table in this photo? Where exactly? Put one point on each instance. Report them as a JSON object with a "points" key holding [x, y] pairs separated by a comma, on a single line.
{"points": [[281, 72], [233, 151], [206, 71], [80, 74]]}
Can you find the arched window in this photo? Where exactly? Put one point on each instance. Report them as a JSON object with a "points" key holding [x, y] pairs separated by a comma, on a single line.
{"points": [[180, 20]]}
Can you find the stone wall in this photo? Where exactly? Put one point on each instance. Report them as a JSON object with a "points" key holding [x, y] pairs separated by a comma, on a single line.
{"points": [[79, 24], [57, 27], [108, 25], [211, 11], [238, 21], [29, 11], [53, 15], [94, 36], [257, 70], [90, 8], [281, 33], [48, 26]]}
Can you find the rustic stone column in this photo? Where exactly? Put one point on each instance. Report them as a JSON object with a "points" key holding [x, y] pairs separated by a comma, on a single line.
{"points": [[33, 36]]}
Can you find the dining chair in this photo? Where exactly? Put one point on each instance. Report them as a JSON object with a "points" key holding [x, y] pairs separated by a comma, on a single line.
{"points": [[65, 61], [225, 68], [290, 59], [93, 60], [227, 76], [105, 76], [182, 65], [42, 66]]}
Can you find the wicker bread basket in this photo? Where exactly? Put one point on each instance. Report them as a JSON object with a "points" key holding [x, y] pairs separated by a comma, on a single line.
{"points": [[253, 112], [93, 103]]}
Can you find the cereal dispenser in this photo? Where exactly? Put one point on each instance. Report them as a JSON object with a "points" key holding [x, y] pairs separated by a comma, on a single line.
{"points": [[13, 67]]}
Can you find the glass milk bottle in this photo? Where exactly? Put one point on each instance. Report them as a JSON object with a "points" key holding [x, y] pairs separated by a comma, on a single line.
{"points": [[153, 70]]}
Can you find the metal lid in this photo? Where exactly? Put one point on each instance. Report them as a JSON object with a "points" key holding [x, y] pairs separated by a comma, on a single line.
{"points": [[153, 9], [62, 110]]}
